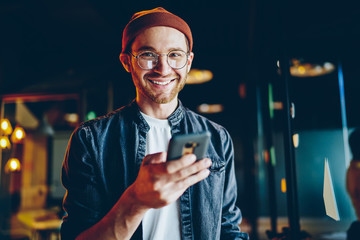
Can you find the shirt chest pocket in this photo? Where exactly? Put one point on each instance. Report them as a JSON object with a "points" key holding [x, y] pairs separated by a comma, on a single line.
{"points": [[217, 166], [215, 181]]}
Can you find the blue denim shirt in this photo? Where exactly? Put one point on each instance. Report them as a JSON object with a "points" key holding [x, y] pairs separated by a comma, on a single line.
{"points": [[104, 156]]}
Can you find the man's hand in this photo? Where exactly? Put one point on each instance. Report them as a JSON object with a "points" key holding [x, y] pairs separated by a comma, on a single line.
{"points": [[160, 183]]}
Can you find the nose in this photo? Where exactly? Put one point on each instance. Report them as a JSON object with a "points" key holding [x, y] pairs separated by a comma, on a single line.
{"points": [[163, 66]]}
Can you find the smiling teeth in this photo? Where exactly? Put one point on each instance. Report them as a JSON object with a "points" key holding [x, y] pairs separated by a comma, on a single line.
{"points": [[161, 83]]}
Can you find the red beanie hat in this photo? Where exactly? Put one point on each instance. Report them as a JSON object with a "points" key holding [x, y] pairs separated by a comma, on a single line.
{"points": [[151, 18]]}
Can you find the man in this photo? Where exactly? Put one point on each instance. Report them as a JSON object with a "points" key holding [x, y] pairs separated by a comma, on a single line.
{"points": [[119, 184], [352, 183]]}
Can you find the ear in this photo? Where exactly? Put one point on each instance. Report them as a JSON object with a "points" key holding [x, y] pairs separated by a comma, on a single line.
{"points": [[125, 60], [189, 62]]}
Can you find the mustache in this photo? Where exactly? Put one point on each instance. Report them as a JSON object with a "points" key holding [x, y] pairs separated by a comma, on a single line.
{"points": [[157, 75]]}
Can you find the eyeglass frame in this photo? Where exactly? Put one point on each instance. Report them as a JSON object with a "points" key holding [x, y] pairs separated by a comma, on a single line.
{"points": [[157, 58]]}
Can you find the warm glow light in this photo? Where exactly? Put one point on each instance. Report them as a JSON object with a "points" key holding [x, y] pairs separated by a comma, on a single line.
{"points": [[13, 165], [210, 108], [71, 117], [6, 127], [318, 68], [299, 68], [196, 76], [283, 185], [278, 105], [5, 143], [296, 140], [329, 66], [203, 108], [266, 156], [242, 90], [18, 135]]}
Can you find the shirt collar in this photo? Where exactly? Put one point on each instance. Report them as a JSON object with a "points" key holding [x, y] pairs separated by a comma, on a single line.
{"points": [[173, 119]]}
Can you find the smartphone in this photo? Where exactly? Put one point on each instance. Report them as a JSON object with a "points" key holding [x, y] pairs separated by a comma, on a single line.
{"points": [[181, 144]]}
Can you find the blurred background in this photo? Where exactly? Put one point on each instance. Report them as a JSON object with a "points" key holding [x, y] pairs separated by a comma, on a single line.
{"points": [[281, 76]]}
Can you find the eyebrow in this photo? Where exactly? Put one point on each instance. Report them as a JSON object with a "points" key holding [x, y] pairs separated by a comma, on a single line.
{"points": [[148, 48]]}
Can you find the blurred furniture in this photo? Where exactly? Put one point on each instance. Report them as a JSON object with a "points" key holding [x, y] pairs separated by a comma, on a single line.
{"points": [[43, 224]]}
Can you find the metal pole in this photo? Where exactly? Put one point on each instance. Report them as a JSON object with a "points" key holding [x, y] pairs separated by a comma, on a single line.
{"points": [[267, 106], [290, 167]]}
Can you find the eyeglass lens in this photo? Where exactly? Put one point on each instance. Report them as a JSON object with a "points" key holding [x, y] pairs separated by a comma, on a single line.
{"points": [[148, 60]]}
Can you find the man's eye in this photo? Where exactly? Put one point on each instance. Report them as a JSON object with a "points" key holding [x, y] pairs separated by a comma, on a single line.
{"points": [[148, 55], [176, 54]]}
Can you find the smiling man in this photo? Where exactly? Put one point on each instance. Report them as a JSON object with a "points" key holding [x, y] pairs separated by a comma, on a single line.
{"points": [[158, 78], [119, 184]]}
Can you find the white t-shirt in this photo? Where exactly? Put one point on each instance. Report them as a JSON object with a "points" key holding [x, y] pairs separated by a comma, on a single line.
{"points": [[162, 223]]}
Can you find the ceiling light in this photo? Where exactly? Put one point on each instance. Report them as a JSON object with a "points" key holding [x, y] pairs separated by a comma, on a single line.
{"points": [[71, 117], [197, 76], [12, 165], [6, 126], [18, 135], [5, 142], [300, 68], [210, 108]]}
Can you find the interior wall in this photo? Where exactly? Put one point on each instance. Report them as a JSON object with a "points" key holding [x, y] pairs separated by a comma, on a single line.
{"points": [[314, 147]]}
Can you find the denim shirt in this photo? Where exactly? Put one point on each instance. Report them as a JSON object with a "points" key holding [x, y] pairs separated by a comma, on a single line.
{"points": [[103, 159]]}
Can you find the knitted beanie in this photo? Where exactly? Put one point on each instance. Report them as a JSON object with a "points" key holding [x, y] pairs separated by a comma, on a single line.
{"points": [[151, 18]]}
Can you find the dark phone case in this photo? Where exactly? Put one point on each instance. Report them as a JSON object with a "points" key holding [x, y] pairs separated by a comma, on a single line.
{"points": [[180, 142]]}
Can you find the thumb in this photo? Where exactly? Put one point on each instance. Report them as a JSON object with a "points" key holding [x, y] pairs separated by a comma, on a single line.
{"points": [[155, 158]]}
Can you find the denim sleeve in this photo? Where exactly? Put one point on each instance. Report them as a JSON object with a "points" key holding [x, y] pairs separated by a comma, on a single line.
{"points": [[231, 214], [82, 201]]}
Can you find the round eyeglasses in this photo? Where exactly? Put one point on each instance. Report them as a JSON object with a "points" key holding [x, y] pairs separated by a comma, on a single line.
{"points": [[148, 60]]}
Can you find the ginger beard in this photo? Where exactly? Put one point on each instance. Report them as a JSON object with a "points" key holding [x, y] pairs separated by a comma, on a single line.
{"points": [[160, 97]]}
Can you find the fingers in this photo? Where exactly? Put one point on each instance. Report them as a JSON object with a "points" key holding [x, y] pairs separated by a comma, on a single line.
{"points": [[193, 179], [177, 169], [154, 158], [160, 182], [184, 161], [193, 169], [175, 190]]}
